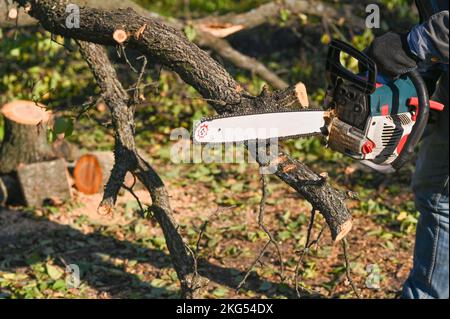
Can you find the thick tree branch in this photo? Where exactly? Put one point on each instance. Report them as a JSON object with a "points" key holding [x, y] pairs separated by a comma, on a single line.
{"points": [[127, 159], [211, 29], [171, 48], [224, 25]]}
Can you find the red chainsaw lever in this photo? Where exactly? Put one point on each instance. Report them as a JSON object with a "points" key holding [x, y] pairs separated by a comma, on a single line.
{"points": [[414, 101]]}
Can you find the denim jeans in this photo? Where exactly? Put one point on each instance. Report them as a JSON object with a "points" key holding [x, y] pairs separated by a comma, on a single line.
{"points": [[429, 277]]}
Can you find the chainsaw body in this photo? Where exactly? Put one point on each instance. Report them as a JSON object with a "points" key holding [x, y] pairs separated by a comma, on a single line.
{"points": [[370, 117], [366, 116]]}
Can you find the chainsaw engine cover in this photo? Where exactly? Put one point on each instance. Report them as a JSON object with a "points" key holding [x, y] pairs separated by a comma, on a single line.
{"points": [[371, 126]]}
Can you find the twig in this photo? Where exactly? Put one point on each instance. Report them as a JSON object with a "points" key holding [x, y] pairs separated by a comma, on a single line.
{"points": [[262, 205], [138, 82], [305, 250], [253, 265], [127, 60], [262, 210], [348, 268], [141, 207], [206, 223]]}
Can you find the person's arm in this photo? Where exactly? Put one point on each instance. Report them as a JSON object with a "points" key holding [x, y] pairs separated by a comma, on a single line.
{"points": [[429, 41], [396, 54]]}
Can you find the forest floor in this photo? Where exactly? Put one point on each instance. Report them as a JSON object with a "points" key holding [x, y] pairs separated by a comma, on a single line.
{"points": [[125, 256]]}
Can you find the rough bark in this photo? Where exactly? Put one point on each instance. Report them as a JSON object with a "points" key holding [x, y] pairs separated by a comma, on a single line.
{"points": [[171, 48], [44, 181], [127, 159]]}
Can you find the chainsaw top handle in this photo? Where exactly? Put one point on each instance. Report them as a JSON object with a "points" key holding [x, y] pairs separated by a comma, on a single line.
{"points": [[422, 114], [335, 68], [368, 83]]}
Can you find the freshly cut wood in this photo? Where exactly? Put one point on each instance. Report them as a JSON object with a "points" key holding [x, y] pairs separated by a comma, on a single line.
{"points": [[25, 112], [88, 174], [25, 139], [120, 36], [13, 13], [302, 95], [92, 170], [44, 181], [221, 30]]}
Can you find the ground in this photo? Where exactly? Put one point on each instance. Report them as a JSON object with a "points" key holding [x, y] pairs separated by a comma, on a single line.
{"points": [[124, 256]]}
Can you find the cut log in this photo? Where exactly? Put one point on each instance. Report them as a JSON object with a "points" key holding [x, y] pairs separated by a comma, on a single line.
{"points": [[25, 139], [88, 174], [92, 170], [44, 181]]}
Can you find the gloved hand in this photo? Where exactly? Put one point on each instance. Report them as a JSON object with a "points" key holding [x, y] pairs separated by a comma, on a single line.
{"points": [[392, 55]]}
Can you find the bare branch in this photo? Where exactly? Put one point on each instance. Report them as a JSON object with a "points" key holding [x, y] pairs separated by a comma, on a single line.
{"points": [[128, 159]]}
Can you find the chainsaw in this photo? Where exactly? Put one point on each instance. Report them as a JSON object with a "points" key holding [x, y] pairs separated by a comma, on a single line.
{"points": [[367, 116]]}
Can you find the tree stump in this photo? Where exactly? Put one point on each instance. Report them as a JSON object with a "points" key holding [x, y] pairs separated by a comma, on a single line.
{"points": [[25, 139]]}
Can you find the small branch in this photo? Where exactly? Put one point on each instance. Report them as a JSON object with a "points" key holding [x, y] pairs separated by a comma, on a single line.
{"points": [[304, 252], [228, 24], [262, 210], [348, 269], [262, 205]]}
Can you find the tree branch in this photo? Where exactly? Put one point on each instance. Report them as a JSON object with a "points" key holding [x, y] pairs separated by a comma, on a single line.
{"points": [[128, 159], [228, 24]]}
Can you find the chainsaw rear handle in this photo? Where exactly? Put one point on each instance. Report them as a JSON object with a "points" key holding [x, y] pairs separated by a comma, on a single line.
{"points": [[422, 114], [335, 67]]}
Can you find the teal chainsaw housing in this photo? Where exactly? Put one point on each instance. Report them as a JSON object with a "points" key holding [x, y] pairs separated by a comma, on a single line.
{"points": [[392, 97]]}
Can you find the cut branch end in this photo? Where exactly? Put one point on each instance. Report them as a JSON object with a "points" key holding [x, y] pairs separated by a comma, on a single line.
{"points": [[344, 230], [120, 36], [301, 93]]}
